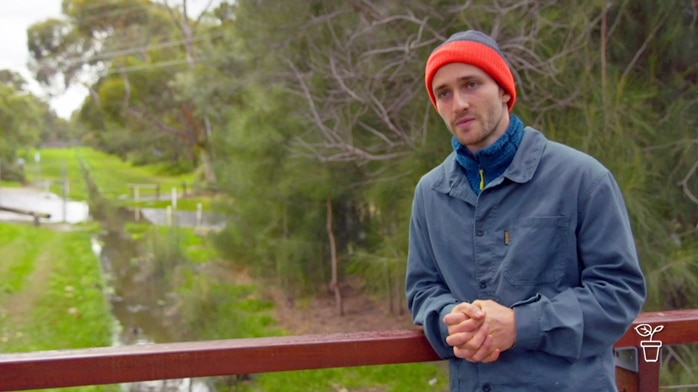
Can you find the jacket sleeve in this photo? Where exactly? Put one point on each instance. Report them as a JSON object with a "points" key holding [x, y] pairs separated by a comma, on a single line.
{"points": [[428, 297], [586, 320]]}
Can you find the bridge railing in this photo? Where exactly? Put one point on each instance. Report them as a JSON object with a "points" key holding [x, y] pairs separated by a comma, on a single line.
{"points": [[111, 365]]}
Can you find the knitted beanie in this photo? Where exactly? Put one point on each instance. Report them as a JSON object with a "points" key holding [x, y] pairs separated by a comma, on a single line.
{"points": [[474, 48]]}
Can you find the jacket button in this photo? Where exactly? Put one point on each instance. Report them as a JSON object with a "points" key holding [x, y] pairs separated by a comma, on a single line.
{"points": [[480, 233], [483, 285], [487, 388]]}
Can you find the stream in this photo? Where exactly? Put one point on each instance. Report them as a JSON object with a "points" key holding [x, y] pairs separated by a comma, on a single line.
{"points": [[138, 303], [138, 306]]}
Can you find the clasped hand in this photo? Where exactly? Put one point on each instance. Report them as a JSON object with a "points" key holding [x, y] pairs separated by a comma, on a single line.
{"points": [[480, 331]]}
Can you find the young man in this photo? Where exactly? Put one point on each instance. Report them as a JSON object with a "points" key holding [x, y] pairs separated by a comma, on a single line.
{"points": [[522, 267]]}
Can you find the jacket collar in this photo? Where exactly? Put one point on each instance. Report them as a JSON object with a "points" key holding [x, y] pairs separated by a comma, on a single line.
{"points": [[452, 181]]}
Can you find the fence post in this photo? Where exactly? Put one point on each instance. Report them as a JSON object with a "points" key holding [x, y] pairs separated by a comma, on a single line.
{"points": [[648, 374]]}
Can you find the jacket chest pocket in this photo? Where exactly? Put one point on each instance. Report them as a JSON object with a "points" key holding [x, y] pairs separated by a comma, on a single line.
{"points": [[537, 251]]}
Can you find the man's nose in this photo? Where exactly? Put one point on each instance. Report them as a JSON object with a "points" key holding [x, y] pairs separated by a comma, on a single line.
{"points": [[460, 101]]}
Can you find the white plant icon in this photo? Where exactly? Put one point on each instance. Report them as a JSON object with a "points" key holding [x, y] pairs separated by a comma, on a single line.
{"points": [[650, 347], [645, 330]]}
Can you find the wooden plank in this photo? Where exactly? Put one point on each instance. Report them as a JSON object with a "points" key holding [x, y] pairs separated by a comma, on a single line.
{"points": [[680, 327], [648, 376], [626, 380], [110, 365], [26, 212]]}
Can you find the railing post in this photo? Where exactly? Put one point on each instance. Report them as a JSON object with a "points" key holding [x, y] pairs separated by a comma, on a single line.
{"points": [[648, 375]]}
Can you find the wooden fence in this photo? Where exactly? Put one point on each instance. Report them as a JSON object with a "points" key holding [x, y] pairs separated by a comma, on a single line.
{"points": [[110, 365]]}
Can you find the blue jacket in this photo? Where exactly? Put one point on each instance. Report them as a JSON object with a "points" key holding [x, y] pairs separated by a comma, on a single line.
{"points": [[551, 239]]}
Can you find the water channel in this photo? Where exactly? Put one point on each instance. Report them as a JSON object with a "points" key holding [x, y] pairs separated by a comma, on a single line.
{"points": [[138, 304]]}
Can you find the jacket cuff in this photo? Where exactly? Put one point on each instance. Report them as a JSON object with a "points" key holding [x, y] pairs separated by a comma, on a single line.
{"points": [[436, 332], [528, 319], [443, 328]]}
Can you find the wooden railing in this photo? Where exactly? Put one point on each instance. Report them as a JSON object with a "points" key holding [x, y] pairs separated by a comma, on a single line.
{"points": [[34, 214], [111, 365]]}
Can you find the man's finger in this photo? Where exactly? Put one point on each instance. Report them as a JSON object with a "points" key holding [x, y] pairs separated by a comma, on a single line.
{"points": [[469, 325], [493, 357], [473, 310], [454, 318], [483, 352], [469, 342]]}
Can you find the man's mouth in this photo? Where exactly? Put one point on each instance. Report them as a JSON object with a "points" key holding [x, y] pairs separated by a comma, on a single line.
{"points": [[465, 121]]}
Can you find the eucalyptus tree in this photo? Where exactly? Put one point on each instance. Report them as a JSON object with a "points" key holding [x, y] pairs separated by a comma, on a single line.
{"points": [[13, 79], [128, 54]]}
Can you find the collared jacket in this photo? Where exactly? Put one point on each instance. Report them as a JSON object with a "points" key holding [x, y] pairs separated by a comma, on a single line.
{"points": [[549, 238]]}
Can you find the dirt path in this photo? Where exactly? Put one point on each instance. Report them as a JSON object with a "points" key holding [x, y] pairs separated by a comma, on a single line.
{"points": [[319, 315], [18, 306]]}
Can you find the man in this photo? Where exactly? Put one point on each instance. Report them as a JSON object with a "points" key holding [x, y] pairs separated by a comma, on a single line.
{"points": [[522, 266]]}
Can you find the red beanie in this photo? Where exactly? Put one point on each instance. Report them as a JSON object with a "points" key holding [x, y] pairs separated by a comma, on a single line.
{"points": [[477, 49]]}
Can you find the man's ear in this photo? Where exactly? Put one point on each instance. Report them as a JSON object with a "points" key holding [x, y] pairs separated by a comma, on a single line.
{"points": [[506, 97]]}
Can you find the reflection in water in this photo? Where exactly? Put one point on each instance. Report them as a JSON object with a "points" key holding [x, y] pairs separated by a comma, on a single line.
{"points": [[138, 304], [137, 301]]}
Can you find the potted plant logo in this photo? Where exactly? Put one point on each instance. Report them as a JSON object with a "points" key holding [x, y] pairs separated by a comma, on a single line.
{"points": [[650, 347]]}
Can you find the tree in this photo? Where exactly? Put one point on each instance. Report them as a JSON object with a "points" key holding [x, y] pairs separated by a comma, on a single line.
{"points": [[21, 116], [13, 79], [135, 49]]}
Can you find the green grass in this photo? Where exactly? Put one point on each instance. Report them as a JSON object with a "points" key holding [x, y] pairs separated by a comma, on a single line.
{"points": [[418, 377], [52, 292], [111, 174], [19, 256]]}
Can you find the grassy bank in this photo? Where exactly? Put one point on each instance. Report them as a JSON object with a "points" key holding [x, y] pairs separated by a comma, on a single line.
{"points": [[51, 295], [112, 176], [217, 305]]}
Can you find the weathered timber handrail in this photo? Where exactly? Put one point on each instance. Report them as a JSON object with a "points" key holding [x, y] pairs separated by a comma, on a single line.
{"points": [[679, 327], [110, 365], [35, 214], [26, 212]]}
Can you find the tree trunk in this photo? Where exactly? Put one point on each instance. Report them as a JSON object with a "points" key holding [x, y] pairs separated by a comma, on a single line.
{"points": [[207, 163], [334, 284]]}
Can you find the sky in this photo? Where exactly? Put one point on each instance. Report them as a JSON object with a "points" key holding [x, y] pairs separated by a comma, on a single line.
{"points": [[15, 18]]}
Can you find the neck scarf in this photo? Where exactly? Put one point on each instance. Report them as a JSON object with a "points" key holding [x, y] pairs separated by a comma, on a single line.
{"points": [[490, 162]]}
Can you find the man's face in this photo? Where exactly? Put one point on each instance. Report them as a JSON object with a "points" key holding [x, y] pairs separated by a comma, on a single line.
{"points": [[472, 104]]}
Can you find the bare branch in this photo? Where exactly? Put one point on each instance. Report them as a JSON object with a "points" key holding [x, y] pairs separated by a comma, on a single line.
{"points": [[684, 183]]}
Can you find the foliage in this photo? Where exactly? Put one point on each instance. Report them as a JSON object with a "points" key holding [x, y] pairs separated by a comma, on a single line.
{"points": [[27, 122], [317, 102], [136, 48], [20, 116]]}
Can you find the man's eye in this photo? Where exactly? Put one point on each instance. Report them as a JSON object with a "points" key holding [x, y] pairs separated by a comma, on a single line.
{"points": [[443, 94], [472, 84]]}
